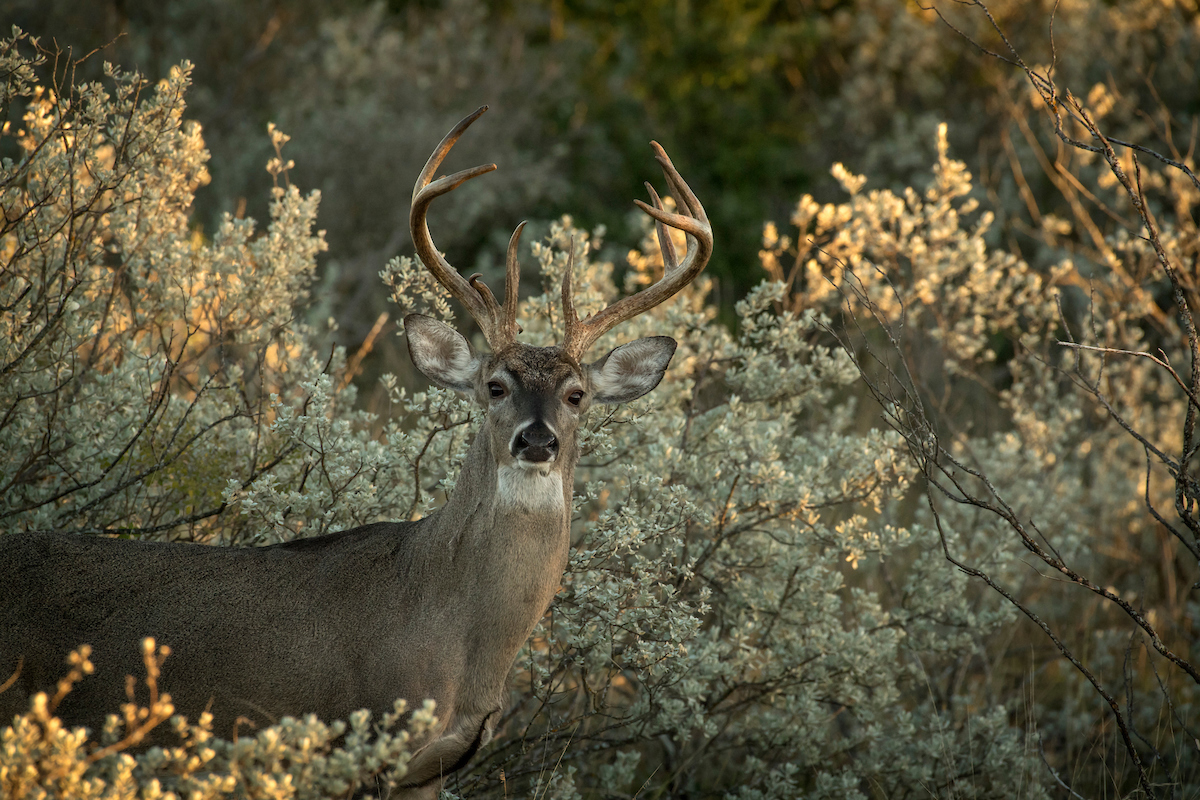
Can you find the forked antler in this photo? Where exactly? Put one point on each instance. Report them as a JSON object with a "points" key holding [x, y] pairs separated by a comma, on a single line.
{"points": [[581, 335], [499, 324]]}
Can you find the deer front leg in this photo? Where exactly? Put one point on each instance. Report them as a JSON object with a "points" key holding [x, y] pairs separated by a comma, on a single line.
{"points": [[451, 751], [429, 791]]}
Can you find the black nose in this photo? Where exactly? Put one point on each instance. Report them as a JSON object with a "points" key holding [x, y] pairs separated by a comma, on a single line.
{"points": [[535, 443]]}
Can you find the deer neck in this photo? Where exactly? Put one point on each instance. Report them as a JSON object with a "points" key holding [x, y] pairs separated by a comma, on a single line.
{"points": [[503, 556], [498, 509]]}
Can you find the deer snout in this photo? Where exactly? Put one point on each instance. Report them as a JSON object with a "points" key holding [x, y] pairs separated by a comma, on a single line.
{"points": [[536, 443]]}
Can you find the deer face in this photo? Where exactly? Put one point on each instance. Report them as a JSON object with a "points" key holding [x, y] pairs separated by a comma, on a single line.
{"points": [[535, 397]]}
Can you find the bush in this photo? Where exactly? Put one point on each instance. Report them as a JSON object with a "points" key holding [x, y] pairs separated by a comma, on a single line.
{"points": [[758, 604], [138, 357], [1049, 419]]}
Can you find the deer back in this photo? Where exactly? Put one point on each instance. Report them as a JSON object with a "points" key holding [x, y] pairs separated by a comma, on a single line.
{"points": [[255, 632]]}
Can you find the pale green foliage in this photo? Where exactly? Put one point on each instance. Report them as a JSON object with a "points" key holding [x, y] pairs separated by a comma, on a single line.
{"points": [[917, 258], [135, 353], [969, 360], [754, 606], [726, 593], [294, 760]]}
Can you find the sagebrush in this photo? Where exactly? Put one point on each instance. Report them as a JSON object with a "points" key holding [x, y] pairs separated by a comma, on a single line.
{"points": [[759, 602]]}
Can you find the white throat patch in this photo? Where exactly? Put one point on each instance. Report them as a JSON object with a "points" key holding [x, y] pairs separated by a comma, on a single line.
{"points": [[528, 488]]}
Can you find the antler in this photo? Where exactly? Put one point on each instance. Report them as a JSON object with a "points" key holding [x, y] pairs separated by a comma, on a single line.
{"points": [[499, 324], [582, 335]]}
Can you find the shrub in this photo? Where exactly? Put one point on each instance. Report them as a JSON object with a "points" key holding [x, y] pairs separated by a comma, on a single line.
{"points": [[1050, 416], [757, 604]]}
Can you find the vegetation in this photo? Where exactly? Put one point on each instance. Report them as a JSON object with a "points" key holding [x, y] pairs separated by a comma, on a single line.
{"points": [[913, 517]]}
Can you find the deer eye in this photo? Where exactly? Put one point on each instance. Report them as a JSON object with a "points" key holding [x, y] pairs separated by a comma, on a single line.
{"points": [[496, 390], [575, 397]]}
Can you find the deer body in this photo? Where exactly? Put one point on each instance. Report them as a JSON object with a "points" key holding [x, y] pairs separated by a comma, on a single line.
{"points": [[260, 633], [433, 609]]}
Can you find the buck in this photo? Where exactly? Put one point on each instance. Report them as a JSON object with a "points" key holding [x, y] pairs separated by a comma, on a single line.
{"points": [[435, 608]]}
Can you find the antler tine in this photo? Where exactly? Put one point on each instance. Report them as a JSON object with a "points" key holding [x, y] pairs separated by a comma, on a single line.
{"points": [[512, 276], [581, 335], [570, 317], [664, 237], [499, 325]]}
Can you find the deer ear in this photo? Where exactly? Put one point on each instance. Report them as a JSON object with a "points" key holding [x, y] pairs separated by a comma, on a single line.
{"points": [[631, 370], [441, 353]]}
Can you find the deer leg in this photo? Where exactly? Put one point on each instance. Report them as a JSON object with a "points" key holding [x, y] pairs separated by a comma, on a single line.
{"points": [[449, 752], [429, 791]]}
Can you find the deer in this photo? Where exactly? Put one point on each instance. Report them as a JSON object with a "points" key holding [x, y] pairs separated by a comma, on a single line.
{"points": [[435, 608]]}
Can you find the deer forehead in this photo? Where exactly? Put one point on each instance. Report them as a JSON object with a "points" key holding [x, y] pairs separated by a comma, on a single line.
{"points": [[538, 370]]}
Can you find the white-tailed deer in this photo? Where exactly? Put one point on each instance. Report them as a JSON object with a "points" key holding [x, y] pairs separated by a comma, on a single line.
{"points": [[435, 608]]}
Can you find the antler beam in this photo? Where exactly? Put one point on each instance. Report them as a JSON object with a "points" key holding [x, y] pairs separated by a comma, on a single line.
{"points": [[581, 335], [499, 324]]}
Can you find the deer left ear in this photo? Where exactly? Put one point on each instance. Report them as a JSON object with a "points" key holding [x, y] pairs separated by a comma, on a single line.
{"points": [[631, 370]]}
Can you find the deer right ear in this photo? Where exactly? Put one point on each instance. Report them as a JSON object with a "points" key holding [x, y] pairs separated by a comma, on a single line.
{"points": [[441, 353]]}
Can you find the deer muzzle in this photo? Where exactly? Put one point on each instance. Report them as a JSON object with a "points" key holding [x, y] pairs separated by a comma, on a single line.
{"points": [[535, 443]]}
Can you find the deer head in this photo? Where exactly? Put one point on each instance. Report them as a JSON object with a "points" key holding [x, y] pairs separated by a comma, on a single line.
{"points": [[536, 396]]}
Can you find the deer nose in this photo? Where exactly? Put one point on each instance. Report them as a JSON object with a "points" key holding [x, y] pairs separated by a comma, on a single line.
{"points": [[536, 443]]}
